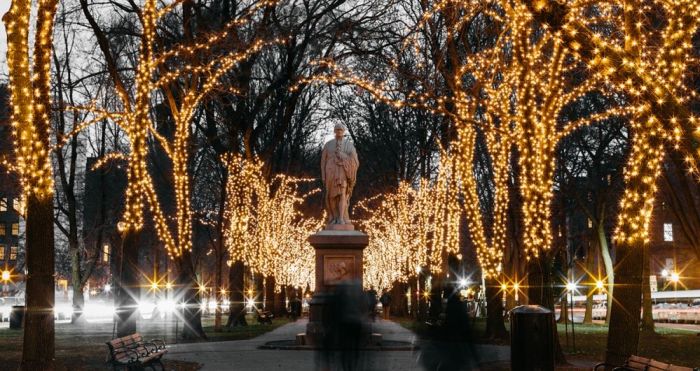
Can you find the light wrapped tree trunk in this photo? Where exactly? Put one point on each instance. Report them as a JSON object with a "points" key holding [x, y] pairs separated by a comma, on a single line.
{"points": [[30, 101]]}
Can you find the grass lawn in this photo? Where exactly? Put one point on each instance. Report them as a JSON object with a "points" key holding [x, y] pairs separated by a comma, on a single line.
{"points": [[680, 347], [677, 346], [83, 347]]}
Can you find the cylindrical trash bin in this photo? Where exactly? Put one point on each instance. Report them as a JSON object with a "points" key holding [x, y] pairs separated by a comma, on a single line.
{"points": [[532, 338], [16, 317]]}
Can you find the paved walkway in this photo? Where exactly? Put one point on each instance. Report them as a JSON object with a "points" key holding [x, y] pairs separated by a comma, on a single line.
{"points": [[244, 355]]}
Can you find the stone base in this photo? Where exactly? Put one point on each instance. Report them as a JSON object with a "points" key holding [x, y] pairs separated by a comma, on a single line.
{"points": [[338, 261], [339, 227]]}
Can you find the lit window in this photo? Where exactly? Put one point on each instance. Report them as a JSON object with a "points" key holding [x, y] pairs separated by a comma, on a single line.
{"points": [[2, 229], [13, 253], [668, 232], [16, 205], [2, 252], [3, 204], [15, 229], [105, 253]]}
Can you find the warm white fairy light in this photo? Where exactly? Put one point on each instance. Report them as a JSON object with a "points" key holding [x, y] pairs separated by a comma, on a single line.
{"points": [[30, 95], [264, 225], [153, 78], [412, 228]]}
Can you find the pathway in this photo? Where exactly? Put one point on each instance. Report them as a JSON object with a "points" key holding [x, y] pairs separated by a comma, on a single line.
{"points": [[244, 355]]}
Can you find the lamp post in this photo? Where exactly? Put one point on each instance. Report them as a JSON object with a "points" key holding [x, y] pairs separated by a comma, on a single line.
{"points": [[6, 276], [571, 288]]}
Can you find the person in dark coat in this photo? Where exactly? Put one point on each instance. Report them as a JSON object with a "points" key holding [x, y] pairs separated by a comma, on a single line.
{"points": [[448, 345], [372, 302], [385, 299]]}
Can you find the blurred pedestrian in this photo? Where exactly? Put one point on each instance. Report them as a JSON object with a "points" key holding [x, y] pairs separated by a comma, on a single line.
{"points": [[372, 302], [447, 345], [345, 328], [385, 299]]}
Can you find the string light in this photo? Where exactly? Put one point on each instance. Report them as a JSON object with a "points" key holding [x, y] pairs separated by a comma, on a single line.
{"points": [[151, 78], [412, 228], [265, 227], [30, 95]]}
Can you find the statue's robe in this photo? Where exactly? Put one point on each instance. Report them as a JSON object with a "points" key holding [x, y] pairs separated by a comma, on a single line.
{"points": [[339, 165]]}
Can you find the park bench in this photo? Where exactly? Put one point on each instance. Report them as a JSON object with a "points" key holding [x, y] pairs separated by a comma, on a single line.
{"points": [[131, 352], [636, 363], [264, 316]]}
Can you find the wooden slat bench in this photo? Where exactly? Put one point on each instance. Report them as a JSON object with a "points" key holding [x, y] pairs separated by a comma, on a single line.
{"points": [[264, 316], [637, 363], [131, 352]]}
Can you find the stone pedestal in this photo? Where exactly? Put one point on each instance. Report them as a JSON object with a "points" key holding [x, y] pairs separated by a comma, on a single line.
{"points": [[338, 259]]}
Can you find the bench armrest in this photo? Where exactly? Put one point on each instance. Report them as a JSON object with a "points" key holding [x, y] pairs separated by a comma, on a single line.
{"points": [[160, 344], [133, 355]]}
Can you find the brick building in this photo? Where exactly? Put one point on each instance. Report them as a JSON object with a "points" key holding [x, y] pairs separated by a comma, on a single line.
{"points": [[671, 252], [11, 225]]}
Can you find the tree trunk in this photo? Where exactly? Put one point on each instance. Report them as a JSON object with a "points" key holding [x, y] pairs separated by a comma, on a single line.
{"points": [[588, 315], [218, 280], [495, 326], [623, 332], [30, 121], [399, 302], [647, 314], [590, 267], [412, 289], [128, 290], [189, 292], [38, 344], [259, 289], [220, 253], [280, 304], [237, 298], [564, 312], [510, 301], [76, 283], [435, 298], [607, 262], [422, 304], [540, 293], [269, 293]]}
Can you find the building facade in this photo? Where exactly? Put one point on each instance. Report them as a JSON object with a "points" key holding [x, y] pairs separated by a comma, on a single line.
{"points": [[11, 226]]}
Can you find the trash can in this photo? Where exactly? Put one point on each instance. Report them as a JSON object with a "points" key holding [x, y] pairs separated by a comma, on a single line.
{"points": [[532, 338], [16, 317]]}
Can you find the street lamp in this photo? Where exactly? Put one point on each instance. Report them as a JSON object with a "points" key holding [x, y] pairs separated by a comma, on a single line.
{"points": [[571, 288], [675, 278], [463, 282], [5, 276]]}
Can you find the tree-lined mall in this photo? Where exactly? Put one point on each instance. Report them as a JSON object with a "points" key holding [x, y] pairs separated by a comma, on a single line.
{"points": [[443, 180]]}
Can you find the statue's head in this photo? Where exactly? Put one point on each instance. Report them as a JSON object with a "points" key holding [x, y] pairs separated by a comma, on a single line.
{"points": [[339, 130]]}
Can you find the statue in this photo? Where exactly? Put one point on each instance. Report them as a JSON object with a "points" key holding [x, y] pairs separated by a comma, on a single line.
{"points": [[339, 165]]}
